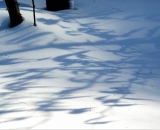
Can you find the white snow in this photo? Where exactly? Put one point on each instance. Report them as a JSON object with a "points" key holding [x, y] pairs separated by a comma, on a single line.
{"points": [[95, 67]]}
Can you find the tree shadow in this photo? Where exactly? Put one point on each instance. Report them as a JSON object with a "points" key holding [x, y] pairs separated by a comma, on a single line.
{"points": [[46, 72], [2, 4]]}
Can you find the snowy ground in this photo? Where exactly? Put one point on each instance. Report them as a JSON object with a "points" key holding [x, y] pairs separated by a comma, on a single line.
{"points": [[95, 67]]}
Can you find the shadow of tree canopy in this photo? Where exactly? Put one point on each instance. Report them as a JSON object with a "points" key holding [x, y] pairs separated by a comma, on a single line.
{"points": [[46, 74]]}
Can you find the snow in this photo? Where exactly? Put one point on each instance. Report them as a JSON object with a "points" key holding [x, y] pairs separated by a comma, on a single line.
{"points": [[95, 67]]}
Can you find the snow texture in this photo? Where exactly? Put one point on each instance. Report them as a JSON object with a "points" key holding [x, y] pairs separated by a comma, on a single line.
{"points": [[93, 67]]}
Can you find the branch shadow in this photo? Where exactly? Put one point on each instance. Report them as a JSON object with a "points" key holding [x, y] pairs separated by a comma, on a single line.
{"points": [[46, 76]]}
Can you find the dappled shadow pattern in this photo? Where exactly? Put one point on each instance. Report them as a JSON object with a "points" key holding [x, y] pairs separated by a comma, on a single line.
{"points": [[47, 77]]}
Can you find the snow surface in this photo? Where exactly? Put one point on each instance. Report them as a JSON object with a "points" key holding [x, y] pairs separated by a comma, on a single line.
{"points": [[95, 67]]}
